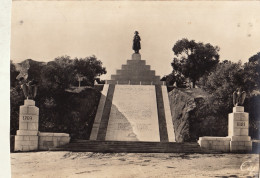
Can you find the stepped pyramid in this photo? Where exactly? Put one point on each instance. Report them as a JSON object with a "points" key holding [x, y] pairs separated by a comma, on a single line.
{"points": [[135, 72]]}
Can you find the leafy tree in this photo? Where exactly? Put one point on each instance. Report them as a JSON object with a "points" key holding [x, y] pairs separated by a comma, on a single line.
{"points": [[89, 68], [252, 73], [57, 75], [193, 60], [223, 81]]}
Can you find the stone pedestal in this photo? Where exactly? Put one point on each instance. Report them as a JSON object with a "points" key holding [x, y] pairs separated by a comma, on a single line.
{"points": [[26, 138], [238, 129], [136, 56]]}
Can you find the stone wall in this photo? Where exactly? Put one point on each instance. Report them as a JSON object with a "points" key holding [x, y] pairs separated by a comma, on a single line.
{"points": [[52, 140], [215, 143]]}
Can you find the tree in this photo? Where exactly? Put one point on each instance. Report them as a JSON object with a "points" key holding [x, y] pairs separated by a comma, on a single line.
{"points": [[57, 75], [90, 68], [193, 60], [222, 82], [252, 73]]}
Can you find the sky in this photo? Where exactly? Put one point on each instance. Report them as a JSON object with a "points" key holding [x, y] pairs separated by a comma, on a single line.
{"points": [[44, 30]]}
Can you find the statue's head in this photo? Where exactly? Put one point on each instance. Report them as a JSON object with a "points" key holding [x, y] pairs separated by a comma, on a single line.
{"points": [[136, 33]]}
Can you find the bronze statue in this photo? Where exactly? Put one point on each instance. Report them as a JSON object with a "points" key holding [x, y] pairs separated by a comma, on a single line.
{"points": [[239, 97], [136, 42], [29, 88]]}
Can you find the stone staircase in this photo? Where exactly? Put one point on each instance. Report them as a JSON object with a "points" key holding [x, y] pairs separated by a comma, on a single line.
{"points": [[129, 147]]}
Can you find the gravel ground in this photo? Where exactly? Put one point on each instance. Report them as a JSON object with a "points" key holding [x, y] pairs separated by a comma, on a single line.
{"points": [[132, 165]]}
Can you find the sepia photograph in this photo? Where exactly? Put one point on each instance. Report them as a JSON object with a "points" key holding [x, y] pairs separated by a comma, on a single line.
{"points": [[129, 89]]}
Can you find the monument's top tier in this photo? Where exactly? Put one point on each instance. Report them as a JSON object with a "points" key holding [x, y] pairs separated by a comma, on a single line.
{"points": [[135, 72], [136, 56]]}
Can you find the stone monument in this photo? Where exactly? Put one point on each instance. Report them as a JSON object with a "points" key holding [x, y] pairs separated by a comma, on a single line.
{"points": [[238, 124], [134, 105], [238, 130], [26, 138]]}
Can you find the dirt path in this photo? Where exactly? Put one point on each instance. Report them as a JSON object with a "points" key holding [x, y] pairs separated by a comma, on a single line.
{"points": [[131, 165]]}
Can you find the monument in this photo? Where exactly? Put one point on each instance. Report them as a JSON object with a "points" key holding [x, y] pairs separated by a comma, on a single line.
{"points": [[28, 137], [238, 130], [134, 105]]}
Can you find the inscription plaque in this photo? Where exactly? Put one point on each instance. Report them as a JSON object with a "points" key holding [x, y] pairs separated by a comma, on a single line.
{"points": [[241, 124], [133, 112], [27, 118]]}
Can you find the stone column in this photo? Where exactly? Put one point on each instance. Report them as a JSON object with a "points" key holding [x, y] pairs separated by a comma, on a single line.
{"points": [[26, 138], [238, 129]]}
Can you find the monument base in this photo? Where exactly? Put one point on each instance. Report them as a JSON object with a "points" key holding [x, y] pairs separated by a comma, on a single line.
{"points": [[136, 56], [240, 146], [238, 128], [26, 138]]}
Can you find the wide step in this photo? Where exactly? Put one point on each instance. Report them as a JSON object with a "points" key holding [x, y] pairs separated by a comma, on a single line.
{"points": [[130, 147]]}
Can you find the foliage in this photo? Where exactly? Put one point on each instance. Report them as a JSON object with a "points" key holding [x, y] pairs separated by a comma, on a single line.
{"points": [[57, 74], [89, 67], [60, 110], [224, 80], [63, 71], [174, 78], [221, 83], [252, 73], [193, 60]]}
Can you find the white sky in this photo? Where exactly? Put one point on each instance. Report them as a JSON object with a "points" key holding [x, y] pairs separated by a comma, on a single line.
{"points": [[44, 30]]}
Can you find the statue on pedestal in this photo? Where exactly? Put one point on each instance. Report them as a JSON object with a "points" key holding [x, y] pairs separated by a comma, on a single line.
{"points": [[136, 42], [239, 97]]}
